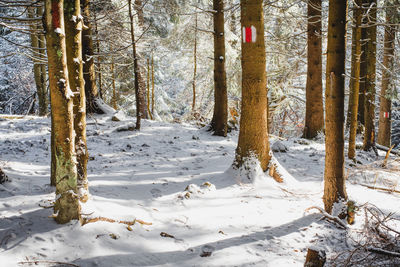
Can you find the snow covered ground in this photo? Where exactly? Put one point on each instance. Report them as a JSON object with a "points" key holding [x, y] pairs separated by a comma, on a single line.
{"points": [[178, 178]]}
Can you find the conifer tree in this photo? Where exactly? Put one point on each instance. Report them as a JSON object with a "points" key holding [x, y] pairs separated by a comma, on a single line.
{"points": [[334, 190]]}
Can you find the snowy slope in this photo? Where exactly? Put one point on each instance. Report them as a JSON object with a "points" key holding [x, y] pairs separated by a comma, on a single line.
{"points": [[218, 221]]}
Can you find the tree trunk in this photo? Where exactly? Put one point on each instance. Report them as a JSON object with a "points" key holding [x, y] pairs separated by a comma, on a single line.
{"points": [[96, 31], [385, 109], [152, 85], [148, 89], [91, 91], [363, 73], [370, 52], [314, 121], [67, 205], [355, 78], [140, 14], [253, 135], [38, 56], [194, 65], [219, 121], [334, 190], [140, 102], [73, 33]]}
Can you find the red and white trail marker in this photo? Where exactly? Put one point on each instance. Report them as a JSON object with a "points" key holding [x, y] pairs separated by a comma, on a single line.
{"points": [[386, 115], [249, 34]]}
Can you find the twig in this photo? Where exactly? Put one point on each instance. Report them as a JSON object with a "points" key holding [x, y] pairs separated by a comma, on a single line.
{"points": [[384, 164], [36, 262], [104, 219], [384, 252], [380, 188], [328, 216]]}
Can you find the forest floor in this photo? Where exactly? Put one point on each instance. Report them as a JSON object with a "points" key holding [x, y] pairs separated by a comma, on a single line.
{"points": [[179, 178]]}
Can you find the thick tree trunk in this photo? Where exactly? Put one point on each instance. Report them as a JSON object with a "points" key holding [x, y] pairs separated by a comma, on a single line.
{"points": [[73, 32], [355, 79], [370, 52], [253, 135], [67, 205], [139, 83], [219, 121], [385, 108], [334, 190], [314, 121], [91, 91]]}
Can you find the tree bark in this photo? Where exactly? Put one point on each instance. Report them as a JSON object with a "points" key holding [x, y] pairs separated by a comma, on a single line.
{"points": [[370, 52], [253, 135], [139, 83], [219, 122], [334, 190], [314, 121], [91, 90], [140, 13], [355, 78], [73, 32], [363, 73], [38, 55], [67, 205], [385, 107], [194, 65]]}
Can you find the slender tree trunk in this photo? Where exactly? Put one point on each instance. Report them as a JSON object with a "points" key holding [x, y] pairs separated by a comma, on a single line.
{"points": [[334, 96], [91, 91], [152, 84], [355, 78], [369, 113], [67, 205], [38, 55], [253, 135], [314, 122], [140, 105], [43, 95], [114, 97], [73, 32], [148, 89], [96, 31], [219, 121], [194, 65], [363, 73], [385, 110]]}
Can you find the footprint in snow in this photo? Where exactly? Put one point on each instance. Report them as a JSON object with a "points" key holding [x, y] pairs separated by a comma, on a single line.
{"points": [[155, 192]]}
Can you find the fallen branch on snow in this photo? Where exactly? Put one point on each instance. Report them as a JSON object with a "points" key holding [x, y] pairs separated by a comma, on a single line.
{"points": [[387, 149], [384, 252], [328, 216], [104, 219], [37, 262], [380, 188]]}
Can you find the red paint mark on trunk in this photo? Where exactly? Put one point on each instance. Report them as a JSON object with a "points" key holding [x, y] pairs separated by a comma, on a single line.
{"points": [[55, 14], [386, 115], [248, 34]]}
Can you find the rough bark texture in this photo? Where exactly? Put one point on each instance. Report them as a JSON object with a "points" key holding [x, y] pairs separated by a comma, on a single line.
{"points": [[334, 96], [315, 258], [139, 82], [253, 135], [385, 107], [67, 205], [91, 91], [314, 121], [370, 52], [355, 79], [219, 122], [73, 32], [139, 11], [39, 68]]}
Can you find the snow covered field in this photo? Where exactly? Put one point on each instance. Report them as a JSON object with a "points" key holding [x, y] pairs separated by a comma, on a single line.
{"points": [[178, 178]]}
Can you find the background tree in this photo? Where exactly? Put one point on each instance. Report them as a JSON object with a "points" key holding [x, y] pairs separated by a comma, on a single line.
{"points": [[355, 77], [67, 205], [253, 134], [387, 90], [219, 122], [334, 178], [370, 77], [314, 121]]}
